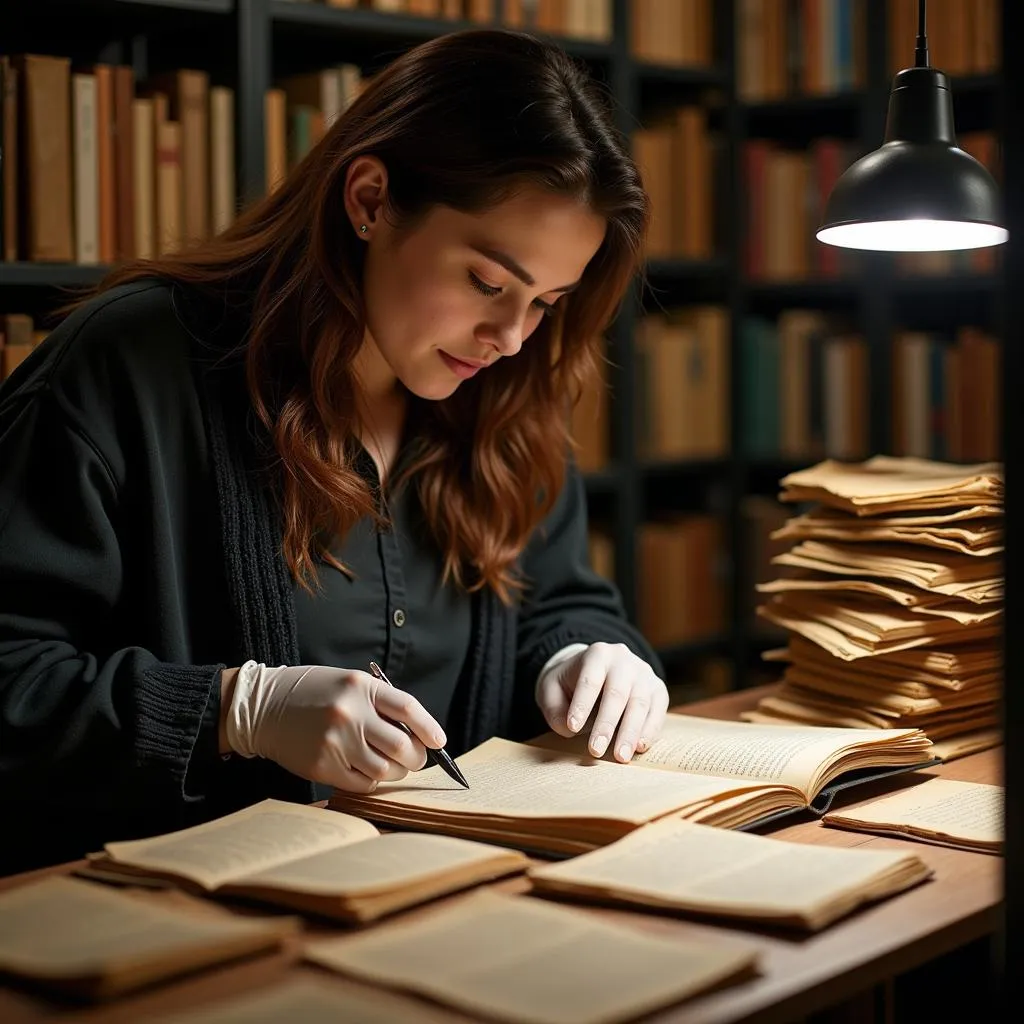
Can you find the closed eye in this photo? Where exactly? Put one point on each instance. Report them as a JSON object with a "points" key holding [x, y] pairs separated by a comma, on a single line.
{"points": [[491, 292]]}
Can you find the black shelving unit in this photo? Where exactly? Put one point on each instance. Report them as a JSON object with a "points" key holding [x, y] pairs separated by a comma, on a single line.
{"points": [[248, 43]]}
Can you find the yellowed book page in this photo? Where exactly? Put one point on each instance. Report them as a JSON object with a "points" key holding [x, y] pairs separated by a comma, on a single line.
{"points": [[945, 810], [836, 642], [978, 518], [311, 1002], [824, 686], [980, 592], [525, 782], [908, 597], [886, 479], [696, 867], [888, 622], [979, 543], [893, 536], [263, 836], [523, 960], [967, 743], [793, 756], [66, 928], [382, 864], [878, 624], [930, 565]]}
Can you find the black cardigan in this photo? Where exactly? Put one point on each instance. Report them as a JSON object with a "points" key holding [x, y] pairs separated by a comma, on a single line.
{"points": [[140, 553]]}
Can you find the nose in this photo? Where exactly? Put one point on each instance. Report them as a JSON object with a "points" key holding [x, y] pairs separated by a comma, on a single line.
{"points": [[506, 336]]}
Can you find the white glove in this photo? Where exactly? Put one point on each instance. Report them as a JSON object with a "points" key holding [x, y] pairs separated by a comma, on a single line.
{"points": [[329, 725], [633, 698]]}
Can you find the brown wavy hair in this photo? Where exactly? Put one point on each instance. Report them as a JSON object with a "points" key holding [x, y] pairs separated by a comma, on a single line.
{"points": [[465, 120]]}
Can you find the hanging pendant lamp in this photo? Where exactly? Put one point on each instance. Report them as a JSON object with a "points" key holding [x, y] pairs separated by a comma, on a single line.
{"points": [[919, 192]]}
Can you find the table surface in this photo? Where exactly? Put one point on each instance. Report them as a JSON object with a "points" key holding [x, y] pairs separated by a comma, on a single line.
{"points": [[797, 975]]}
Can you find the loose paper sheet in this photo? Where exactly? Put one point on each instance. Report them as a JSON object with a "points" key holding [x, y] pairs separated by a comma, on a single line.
{"points": [[886, 484], [969, 811], [524, 960], [982, 538], [62, 927], [967, 743]]}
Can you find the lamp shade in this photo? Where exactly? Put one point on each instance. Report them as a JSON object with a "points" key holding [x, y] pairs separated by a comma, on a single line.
{"points": [[919, 191]]}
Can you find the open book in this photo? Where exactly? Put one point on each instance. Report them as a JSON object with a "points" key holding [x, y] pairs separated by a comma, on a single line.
{"points": [[96, 942], [550, 796], [534, 962], [678, 865], [966, 815], [309, 859]]}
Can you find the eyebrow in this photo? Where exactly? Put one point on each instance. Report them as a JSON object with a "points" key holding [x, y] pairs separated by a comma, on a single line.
{"points": [[516, 269]]}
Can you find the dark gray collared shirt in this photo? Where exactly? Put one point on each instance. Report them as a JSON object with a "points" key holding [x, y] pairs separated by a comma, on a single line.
{"points": [[393, 609]]}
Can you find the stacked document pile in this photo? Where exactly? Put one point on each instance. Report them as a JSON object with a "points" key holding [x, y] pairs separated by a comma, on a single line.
{"points": [[893, 596]]}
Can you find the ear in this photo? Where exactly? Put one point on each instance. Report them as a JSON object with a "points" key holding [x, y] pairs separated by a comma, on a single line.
{"points": [[366, 185]]}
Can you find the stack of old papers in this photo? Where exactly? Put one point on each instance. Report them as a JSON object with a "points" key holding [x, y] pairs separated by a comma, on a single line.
{"points": [[892, 595]]}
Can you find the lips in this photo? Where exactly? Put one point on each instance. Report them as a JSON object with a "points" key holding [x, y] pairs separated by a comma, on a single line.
{"points": [[462, 368]]}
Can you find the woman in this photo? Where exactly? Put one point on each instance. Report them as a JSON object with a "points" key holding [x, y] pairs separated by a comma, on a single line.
{"points": [[335, 433]]}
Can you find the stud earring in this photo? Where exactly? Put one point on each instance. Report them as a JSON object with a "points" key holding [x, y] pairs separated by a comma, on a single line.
{"points": [[363, 229]]}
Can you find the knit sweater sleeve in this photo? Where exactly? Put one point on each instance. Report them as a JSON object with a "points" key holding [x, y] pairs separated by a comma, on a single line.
{"points": [[566, 601], [105, 727]]}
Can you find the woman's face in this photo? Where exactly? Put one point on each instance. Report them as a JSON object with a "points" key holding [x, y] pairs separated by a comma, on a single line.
{"points": [[450, 297]]}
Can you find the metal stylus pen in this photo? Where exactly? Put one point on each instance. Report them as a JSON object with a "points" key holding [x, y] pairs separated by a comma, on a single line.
{"points": [[441, 757]]}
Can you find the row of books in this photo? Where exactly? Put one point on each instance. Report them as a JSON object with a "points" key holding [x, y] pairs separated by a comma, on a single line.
{"points": [[299, 109], [816, 47], [672, 32], [96, 171], [786, 192], [681, 580], [964, 36], [683, 558], [579, 19], [682, 384], [810, 47], [805, 387], [785, 195], [947, 395], [109, 170], [682, 397], [680, 160], [806, 391]]}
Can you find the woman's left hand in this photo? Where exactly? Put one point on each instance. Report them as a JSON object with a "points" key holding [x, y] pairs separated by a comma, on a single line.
{"points": [[632, 698]]}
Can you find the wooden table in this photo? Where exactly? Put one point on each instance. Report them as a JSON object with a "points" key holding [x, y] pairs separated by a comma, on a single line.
{"points": [[798, 975]]}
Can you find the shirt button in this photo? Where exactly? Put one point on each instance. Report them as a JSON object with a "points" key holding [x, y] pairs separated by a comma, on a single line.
{"points": [[398, 618]]}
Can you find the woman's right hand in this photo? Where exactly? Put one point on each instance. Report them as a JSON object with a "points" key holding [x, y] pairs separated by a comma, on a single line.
{"points": [[329, 725]]}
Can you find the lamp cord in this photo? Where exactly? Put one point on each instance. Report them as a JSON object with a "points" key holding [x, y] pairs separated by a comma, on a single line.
{"points": [[921, 47]]}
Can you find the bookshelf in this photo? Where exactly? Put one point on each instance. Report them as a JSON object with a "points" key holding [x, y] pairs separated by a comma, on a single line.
{"points": [[251, 44]]}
